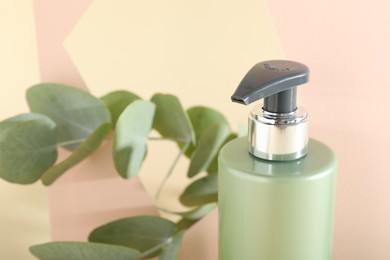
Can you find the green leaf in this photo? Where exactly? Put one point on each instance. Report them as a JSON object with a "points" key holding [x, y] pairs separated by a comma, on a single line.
{"points": [[196, 213], [84, 150], [213, 167], [199, 212], [76, 113], [202, 118], [147, 234], [189, 218], [171, 121], [202, 191], [131, 136], [27, 147], [185, 223], [117, 101], [172, 250], [83, 251], [207, 148]]}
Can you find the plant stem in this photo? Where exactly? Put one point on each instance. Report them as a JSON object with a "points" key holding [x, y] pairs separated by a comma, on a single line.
{"points": [[182, 151], [72, 142], [156, 248], [166, 139]]}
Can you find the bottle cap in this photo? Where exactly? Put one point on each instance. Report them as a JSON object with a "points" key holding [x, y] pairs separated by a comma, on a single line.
{"points": [[278, 130]]}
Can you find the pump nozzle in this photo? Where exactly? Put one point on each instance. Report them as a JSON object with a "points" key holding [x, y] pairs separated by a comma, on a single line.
{"points": [[279, 130], [276, 82]]}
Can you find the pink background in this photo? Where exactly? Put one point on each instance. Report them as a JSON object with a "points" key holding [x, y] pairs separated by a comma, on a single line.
{"points": [[346, 46]]}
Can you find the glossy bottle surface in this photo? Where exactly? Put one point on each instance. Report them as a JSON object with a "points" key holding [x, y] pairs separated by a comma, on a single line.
{"points": [[276, 210]]}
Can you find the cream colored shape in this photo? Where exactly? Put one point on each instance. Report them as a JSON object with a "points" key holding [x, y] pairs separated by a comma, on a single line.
{"points": [[197, 50], [188, 48], [24, 217]]}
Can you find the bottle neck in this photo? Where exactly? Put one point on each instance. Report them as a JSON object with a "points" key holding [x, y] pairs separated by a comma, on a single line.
{"points": [[278, 136], [282, 102]]}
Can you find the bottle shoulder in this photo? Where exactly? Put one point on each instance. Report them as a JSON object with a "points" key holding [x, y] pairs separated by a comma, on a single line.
{"points": [[320, 160]]}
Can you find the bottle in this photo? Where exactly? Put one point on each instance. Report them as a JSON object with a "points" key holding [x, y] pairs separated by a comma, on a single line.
{"points": [[277, 185]]}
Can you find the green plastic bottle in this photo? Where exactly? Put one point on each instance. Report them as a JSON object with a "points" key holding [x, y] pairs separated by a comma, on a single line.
{"points": [[277, 185]]}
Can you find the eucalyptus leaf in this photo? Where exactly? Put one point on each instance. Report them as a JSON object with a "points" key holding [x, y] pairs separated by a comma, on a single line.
{"points": [[27, 147], [200, 192], [131, 136], [202, 118], [172, 250], [84, 150], [171, 121], [207, 148], [147, 234], [199, 212], [189, 218], [213, 167], [117, 101], [76, 113], [83, 251], [185, 223], [194, 214]]}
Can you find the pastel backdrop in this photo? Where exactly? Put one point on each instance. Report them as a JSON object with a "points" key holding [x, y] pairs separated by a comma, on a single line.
{"points": [[347, 48], [24, 213], [200, 51]]}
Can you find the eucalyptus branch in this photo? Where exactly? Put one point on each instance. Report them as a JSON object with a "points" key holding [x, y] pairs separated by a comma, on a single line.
{"points": [[182, 151], [33, 138]]}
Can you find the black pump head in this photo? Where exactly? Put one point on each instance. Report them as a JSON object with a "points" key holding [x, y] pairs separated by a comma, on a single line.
{"points": [[276, 82]]}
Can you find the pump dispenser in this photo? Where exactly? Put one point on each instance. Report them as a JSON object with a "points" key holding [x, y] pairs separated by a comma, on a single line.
{"points": [[276, 186], [278, 131]]}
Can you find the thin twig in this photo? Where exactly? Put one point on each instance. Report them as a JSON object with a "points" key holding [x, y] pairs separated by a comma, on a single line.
{"points": [[182, 151], [167, 139], [71, 142], [156, 248]]}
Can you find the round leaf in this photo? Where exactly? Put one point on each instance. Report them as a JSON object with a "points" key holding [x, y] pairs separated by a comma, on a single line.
{"points": [[27, 147], [172, 250], [131, 136], [196, 213], [202, 118], [83, 151], [213, 167], [147, 234], [83, 251], [189, 218], [207, 148], [76, 112], [117, 101], [171, 121], [199, 212], [202, 191]]}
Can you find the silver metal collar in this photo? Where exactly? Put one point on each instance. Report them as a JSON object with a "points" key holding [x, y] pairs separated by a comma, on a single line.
{"points": [[278, 137]]}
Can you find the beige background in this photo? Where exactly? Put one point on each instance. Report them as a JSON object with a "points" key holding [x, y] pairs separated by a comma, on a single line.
{"points": [[24, 215], [176, 47], [204, 47]]}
